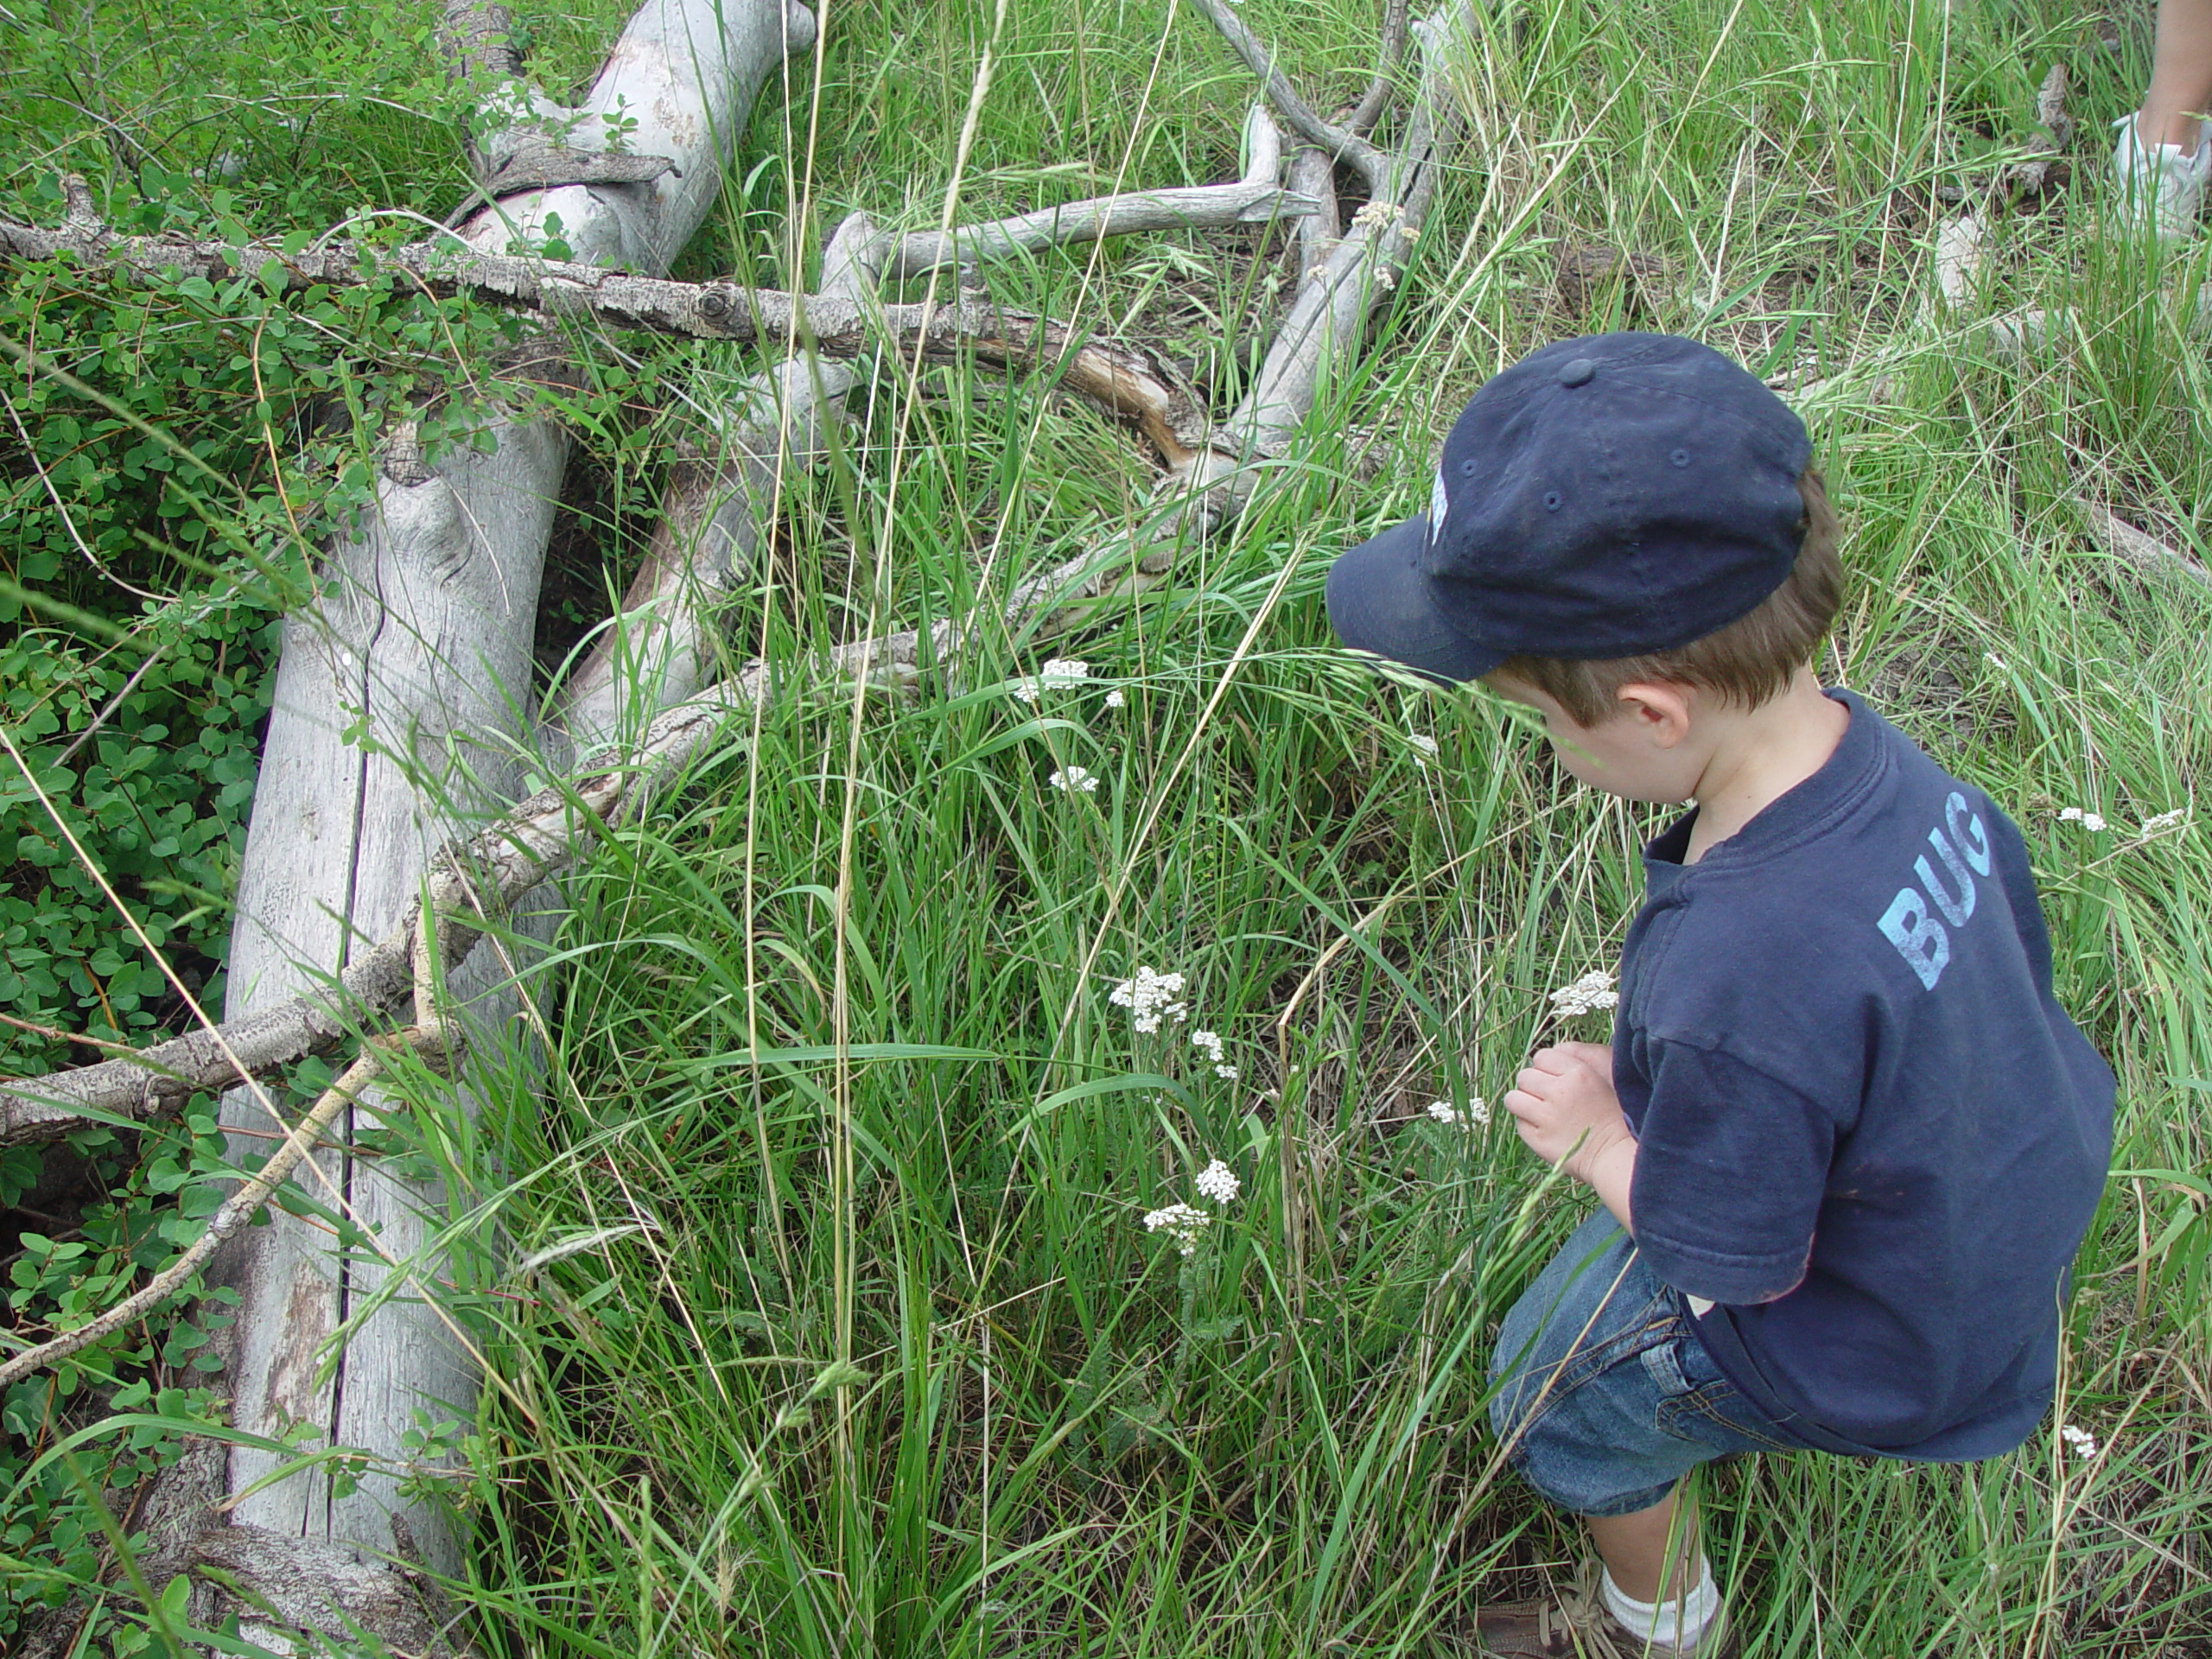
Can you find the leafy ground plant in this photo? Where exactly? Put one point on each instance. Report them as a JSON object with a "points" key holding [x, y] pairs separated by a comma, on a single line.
{"points": [[827, 1319]]}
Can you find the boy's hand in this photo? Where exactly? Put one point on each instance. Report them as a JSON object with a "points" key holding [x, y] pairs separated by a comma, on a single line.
{"points": [[1565, 1094]]}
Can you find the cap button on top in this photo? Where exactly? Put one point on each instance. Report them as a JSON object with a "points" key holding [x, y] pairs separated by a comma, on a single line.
{"points": [[1577, 372]]}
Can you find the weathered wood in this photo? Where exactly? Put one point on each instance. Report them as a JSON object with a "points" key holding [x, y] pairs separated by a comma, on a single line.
{"points": [[401, 718], [1209, 483], [1257, 198], [420, 649], [659, 648]]}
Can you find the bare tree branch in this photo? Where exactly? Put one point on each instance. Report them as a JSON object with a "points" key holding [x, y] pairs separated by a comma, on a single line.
{"points": [[1370, 108], [235, 1211], [1257, 198], [539, 837], [1342, 145]]}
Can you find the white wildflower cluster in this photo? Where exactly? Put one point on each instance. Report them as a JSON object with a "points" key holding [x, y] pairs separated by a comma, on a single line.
{"points": [[1059, 671], [2165, 821], [2079, 1441], [1218, 1182], [1075, 780], [1376, 214], [1475, 1118], [1424, 748], [1183, 1224], [2089, 821], [1150, 998], [1115, 699], [1210, 1041], [1592, 993]]}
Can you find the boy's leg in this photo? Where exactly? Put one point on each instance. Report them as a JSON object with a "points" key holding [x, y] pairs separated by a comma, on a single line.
{"points": [[1639, 1549], [2180, 74], [1591, 1402]]}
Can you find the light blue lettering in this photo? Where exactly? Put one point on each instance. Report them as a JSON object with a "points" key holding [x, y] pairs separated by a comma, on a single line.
{"points": [[1919, 938], [1972, 840], [1955, 910]]}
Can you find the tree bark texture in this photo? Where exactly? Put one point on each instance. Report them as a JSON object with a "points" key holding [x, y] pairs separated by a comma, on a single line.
{"points": [[402, 719]]}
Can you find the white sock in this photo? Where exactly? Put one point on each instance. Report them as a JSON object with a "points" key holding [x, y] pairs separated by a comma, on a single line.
{"points": [[1678, 1622]]}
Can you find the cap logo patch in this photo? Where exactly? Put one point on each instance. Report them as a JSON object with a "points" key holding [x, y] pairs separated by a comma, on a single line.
{"points": [[1437, 507]]}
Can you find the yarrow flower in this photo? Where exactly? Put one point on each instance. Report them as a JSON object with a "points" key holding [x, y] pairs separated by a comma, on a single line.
{"points": [[1150, 998], [1476, 1116], [1592, 993], [1182, 1223], [1424, 748], [1115, 699], [1059, 671], [1073, 780], [1210, 1042], [1218, 1182], [2079, 1441], [2165, 821], [2089, 820]]}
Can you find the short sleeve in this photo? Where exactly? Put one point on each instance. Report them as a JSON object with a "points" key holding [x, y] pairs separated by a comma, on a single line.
{"points": [[1730, 1169]]}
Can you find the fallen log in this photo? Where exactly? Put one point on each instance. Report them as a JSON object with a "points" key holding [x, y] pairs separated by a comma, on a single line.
{"points": [[445, 738], [399, 721]]}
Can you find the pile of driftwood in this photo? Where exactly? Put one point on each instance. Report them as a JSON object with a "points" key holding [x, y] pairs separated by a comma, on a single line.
{"points": [[385, 811]]}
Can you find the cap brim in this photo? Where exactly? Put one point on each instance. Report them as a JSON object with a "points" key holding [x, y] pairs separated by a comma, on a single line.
{"points": [[1380, 602]]}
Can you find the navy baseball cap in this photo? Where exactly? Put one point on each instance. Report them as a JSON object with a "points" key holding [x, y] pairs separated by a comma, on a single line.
{"points": [[1604, 497]]}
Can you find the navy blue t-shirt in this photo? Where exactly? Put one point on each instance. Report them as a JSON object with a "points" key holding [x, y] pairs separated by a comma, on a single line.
{"points": [[1865, 1128]]}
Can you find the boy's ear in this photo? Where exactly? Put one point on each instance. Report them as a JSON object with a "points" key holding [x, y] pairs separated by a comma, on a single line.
{"points": [[1659, 710]]}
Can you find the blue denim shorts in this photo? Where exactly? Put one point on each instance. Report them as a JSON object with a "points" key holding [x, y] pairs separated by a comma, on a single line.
{"points": [[1606, 1396]]}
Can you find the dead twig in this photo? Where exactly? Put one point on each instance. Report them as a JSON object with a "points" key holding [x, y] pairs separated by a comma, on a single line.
{"points": [[236, 1210]]}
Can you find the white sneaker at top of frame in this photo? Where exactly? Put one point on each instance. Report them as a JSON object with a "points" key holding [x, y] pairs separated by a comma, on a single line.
{"points": [[2160, 182]]}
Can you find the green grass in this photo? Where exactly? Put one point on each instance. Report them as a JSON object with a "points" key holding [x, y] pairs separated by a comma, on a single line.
{"points": [[872, 1354]]}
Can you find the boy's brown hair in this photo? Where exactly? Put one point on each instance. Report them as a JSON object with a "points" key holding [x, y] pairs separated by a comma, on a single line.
{"points": [[1746, 663]]}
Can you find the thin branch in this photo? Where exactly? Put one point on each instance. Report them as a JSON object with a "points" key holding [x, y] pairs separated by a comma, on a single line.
{"points": [[235, 1211], [1127, 380], [540, 836], [1370, 108], [1342, 144], [1255, 199]]}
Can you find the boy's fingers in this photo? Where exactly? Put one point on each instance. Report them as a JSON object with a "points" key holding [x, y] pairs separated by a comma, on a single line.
{"points": [[1535, 1081]]}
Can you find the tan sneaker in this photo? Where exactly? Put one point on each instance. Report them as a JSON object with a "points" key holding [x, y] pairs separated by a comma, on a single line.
{"points": [[1575, 1625]]}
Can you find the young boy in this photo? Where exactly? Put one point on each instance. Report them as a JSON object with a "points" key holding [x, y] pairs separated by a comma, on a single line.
{"points": [[1844, 1139]]}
